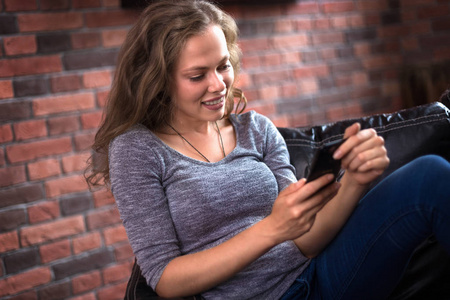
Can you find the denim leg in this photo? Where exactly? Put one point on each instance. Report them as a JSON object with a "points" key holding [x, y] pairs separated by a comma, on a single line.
{"points": [[369, 255]]}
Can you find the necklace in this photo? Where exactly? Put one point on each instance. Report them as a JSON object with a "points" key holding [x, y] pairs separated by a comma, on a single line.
{"points": [[220, 137]]}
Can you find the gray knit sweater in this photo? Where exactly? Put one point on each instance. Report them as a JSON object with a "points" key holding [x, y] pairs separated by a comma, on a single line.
{"points": [[171, 204]]}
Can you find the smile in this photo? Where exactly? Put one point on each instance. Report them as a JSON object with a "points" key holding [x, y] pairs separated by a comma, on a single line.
{"points": [[213, 102]]}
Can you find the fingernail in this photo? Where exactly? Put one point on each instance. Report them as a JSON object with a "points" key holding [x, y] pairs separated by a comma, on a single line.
{"points": [[337, 154]]}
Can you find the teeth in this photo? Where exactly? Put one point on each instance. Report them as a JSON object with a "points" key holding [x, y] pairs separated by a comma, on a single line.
{"points": [[213, 102]]}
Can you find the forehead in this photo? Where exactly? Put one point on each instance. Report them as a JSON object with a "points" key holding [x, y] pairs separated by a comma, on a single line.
{"points": [[203, 49]]}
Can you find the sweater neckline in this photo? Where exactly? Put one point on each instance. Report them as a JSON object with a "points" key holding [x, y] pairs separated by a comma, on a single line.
{"points": [[232, 119]]}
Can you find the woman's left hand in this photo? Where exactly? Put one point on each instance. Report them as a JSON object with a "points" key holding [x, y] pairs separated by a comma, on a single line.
{"points": [[363, 155]]}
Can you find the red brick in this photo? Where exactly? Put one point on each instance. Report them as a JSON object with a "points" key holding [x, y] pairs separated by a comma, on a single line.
{"points": [[30, 66], [114, 235], [327, 38], [61, 125], [84, 40], [65, 103], [303, 8], [103, 197], [305, 24], [14, 5], [394, 31], [2, 157], [84, 141], [95, 79], [308, 86], [244, 80], [372, 5], [5, 133], [262, 11], [29, 151], [434, 11], [65, 83], [43, 169], [24, 281], [340, 22], [114, 292], [111, 18], [106, 217], [51, 231], [380, 61], [17, 45], [91, 120], [86, 3], [30, 129], [338, 7], [50, 21], [335, 114], [44, 211], [123, 252], [55, 4], [12, 175], [322, 23], [271, 76], [290, 41], [66, 185], [113, 38], [102, 97], [283, 25], [9, 241], [54, 251], [269, 93], [90, 296], [254, 44], [30, 295], [111, 3], [442, 53], [312, 71], [86, 242], [75, 162], [117, 273], [86, 282]]}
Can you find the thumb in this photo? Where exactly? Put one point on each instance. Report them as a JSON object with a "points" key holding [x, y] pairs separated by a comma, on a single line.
{"points": [[293, 187]]}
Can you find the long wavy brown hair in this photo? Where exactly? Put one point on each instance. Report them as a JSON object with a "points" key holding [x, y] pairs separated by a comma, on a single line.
{"points": [[143, 77]]}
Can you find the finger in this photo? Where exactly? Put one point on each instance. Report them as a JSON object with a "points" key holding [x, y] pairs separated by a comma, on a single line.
{"points": [[314, 186], [322, 197], [364, 152], [293, 187], [351, 144], [377, 164], [352, 130]]}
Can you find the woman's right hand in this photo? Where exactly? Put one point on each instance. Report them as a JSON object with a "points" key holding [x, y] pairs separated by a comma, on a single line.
{"points": [[294, 211]]}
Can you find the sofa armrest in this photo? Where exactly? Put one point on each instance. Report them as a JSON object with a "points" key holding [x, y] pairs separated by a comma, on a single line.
{"points": [[408, 134]]}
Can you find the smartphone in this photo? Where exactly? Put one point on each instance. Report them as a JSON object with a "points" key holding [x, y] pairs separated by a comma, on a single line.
{"points": [[323, 161]]}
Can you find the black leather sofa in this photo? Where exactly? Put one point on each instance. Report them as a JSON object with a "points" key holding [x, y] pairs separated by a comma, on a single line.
{"points": [[408, 134]]}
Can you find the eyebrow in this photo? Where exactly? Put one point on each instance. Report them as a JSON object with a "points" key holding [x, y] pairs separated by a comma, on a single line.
{"points": [[201, 68]]}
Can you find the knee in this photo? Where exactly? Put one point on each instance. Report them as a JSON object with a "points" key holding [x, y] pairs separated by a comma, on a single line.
{"points": [[432, 167]]}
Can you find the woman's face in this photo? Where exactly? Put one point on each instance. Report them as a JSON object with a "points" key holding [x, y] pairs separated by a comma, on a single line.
{"points": [[202, 78]]}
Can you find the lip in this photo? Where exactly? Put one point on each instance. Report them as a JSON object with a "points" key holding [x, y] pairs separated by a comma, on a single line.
{"points": [[216, 106]]}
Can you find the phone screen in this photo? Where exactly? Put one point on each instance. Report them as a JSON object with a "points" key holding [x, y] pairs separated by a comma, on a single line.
{"points": [[323, 161]]}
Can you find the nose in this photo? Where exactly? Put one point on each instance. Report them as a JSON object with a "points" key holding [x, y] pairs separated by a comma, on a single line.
{"points": [[216, 83]]}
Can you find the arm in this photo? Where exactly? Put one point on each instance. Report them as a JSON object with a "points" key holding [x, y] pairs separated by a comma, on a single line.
{"points": [[292, 216], [364, 158]]}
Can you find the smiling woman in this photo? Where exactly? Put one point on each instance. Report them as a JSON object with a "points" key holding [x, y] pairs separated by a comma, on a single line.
{"points": [[208, 198]]}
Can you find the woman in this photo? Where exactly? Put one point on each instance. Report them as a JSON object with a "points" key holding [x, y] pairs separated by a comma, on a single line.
{"points": [[208, 198]]}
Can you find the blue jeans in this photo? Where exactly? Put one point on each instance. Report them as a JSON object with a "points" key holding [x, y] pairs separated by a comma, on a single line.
{"points": [[368, 257]]}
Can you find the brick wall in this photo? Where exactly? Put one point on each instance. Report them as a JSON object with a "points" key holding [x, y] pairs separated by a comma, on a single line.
{"points": [[304, 63]]}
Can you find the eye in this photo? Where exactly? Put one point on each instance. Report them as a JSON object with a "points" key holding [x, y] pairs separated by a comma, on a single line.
{"points": [[225, 67], [197, 78]]}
